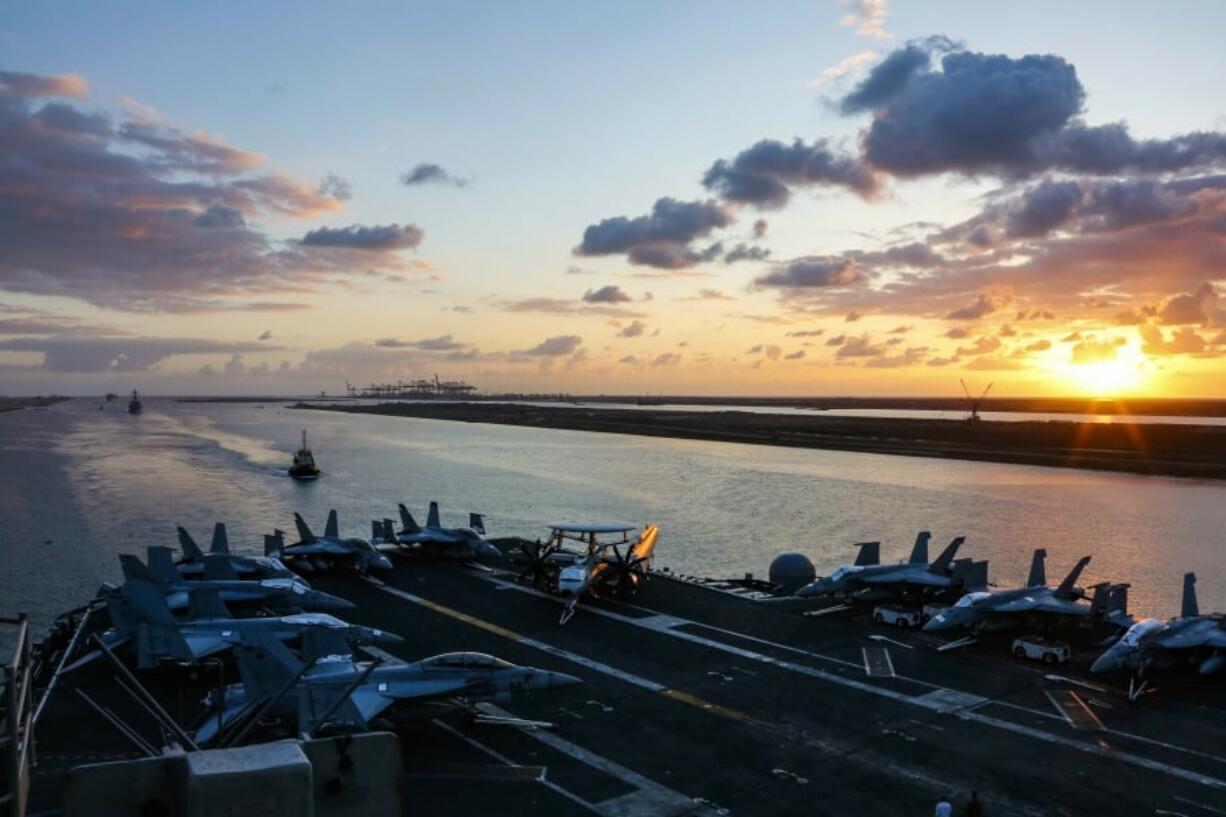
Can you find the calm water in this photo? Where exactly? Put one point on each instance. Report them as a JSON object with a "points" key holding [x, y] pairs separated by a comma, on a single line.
{"points": [[79, 485]]}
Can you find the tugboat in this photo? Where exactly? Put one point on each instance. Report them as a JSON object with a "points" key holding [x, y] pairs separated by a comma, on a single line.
{"points": [[304, 467], [134, 403]]}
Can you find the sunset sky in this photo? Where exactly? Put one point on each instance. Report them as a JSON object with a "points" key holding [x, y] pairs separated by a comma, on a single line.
{"points": [[861, 197]]}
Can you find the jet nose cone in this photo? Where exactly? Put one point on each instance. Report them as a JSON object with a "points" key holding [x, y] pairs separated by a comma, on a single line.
{"points": [[383, 563], [941, 621], [384, 637], [560, 680], [817, 588], [1107, 662], [327, 601], [489, 550]]}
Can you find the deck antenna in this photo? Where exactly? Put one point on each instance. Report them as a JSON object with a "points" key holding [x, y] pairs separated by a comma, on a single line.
{"points": [[974, 402]]}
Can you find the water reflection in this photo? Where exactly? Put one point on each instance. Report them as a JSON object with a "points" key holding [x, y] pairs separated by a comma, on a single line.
{"points": [[97, 483]]}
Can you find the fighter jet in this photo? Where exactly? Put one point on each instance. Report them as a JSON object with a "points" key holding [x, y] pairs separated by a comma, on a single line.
{"points": [[452, 543], [1005, 609], [868, 578], [340, 691], [1190, 637], [139, 614], [245, 567], [313, 552], [281, 594], [602, 569]]}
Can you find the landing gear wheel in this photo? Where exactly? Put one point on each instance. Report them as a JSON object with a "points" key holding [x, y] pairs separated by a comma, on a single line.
{"points": [[1019, 652], [902, 623], [1049, 658], [877, 617]]}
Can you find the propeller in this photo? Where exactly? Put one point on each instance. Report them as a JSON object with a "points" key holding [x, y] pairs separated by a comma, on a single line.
{"points": [[626, 572], [537, 555]]}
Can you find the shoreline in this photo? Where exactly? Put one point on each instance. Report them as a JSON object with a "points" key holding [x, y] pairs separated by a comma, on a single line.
{"points": [[1148, 449], [18, 403]]}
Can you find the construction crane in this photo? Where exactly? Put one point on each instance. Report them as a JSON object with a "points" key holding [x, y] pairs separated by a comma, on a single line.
{"points": [[974, 402]]}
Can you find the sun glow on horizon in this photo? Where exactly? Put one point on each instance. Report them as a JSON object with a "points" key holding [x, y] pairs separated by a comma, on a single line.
{"points": [[1125, 373]]}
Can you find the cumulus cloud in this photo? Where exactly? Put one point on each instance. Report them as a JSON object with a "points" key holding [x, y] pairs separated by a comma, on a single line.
{"points": [[666, 359], [1200, 306], [336, 187], [982, 306], [1093, 350], [158, 217], [610, 294], [746, 252], [632, 330], [385, 238], [430, 173], [811, 272], [861, 346], [766, 173], [555, 346], [661, 239], [797, 355], [266, 335], [867, 17], [1184, 341]]}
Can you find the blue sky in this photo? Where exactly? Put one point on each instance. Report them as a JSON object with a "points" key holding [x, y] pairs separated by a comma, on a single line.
{"points": [[560, 115]]}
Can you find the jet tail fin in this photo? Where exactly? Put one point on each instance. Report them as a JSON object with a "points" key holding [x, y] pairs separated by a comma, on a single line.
{"points": [[406, 519], [123, 618], [389, 531], [274, 545], [221, 542], [870, 554], [147, 602], [304, 532], [332, 530], [376, 530], [191, 551], [162, 563], [432, 518], [1190, 607], [264, 664], [476, 521], [941, 565], [206, 604], [1038, 573], [135, 569], [1065, 590], [919, 553], [218, 566], [969, 575]]}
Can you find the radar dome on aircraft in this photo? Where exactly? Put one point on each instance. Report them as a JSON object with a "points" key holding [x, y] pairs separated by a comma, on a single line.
{"points": [[792, 571]]}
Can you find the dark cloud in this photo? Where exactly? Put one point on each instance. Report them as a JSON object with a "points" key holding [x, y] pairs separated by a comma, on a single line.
{"points": [[443, 343], [797, 355], [382, 238], [746, 252], [861, 346], [555, 346], [265, 335], [336, 187], [610, 294], [852, 316], [978, 113], [629, 360], [661, 239], [1200, 306], [982, 306], [837, 340], [632, 330], [911, 357], [958, 333], [105, 353], [759, 227], [765, 173], [560, 306], [812, 272], [136, 214], [667, 359], [1043, 209], [807, 333], [1110, 149], [429, 173]]}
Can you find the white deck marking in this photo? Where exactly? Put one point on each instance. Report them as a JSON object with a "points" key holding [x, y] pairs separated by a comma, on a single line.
{"points": [[651, 797], [1200, 805], [1074, 710], [501, 758], [877, 663]]}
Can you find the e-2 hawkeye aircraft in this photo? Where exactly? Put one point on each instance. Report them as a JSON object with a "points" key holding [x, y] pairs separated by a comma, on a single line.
{"points": [[1188, 638], [313, 552], [602, 568], [338, 690]]}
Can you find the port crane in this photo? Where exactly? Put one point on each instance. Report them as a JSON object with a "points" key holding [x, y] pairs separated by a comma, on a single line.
{"points": [[974, 402]]}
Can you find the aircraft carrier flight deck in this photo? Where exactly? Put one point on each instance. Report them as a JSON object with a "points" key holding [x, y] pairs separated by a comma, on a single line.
{"points": [[697, 700]]}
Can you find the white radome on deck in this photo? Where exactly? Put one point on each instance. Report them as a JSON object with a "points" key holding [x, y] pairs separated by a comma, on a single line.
{"points": [[592, 527]]}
